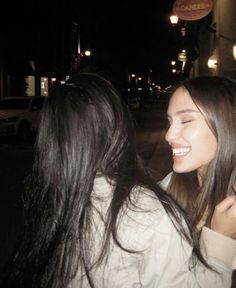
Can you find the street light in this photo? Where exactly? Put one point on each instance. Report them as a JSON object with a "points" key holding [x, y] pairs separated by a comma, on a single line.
{"points": [[174, 19], [234, 51], [212, 62], [87, 53]]}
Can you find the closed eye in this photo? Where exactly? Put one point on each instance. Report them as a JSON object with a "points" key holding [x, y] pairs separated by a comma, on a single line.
{"points": [[186, 121]]}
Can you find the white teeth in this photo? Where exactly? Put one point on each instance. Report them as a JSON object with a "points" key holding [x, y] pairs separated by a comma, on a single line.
{"points": [[180, 151]]}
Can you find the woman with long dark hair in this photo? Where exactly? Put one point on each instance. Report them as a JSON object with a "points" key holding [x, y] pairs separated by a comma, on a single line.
{"points": [[94, 217], [202, 136]]}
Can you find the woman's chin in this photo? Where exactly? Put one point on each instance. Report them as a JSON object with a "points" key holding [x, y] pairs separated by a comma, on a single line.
{"points": [[178, 169]]}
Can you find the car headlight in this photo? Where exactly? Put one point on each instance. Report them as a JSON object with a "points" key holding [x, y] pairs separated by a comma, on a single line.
{"points": [[10, 119]]}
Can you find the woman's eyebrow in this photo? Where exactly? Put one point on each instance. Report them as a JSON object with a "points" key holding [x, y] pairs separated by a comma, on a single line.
{"points": [[184, 111]]}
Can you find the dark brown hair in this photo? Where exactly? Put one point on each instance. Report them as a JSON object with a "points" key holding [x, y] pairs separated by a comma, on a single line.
{"points": [[216, 98]]}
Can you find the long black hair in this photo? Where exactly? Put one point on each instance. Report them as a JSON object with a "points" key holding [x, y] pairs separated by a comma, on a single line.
{"points": [[86, 131]]}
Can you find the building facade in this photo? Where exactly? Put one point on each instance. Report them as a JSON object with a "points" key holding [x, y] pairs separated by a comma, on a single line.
{"points": [[217, 36]]}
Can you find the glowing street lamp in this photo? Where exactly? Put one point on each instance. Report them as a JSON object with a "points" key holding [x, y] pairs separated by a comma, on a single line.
{"points": [[234, 51], [87, 53], [174, 19], [212, 62]]}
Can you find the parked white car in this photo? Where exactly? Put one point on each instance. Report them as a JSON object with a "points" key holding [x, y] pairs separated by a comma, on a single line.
{"points": [[20, 115]]}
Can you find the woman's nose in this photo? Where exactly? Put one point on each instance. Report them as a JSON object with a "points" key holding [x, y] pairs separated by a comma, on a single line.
{"points": [[171, 134]]}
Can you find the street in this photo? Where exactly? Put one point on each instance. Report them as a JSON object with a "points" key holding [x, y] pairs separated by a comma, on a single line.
{"points": [[16, 161]]}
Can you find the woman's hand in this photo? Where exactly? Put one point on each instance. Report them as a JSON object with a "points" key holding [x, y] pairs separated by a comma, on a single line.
{"points": [[224, 217]]}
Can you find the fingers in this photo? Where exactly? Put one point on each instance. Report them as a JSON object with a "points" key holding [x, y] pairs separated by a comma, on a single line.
{"points": [[224, 217], [227, 203]]}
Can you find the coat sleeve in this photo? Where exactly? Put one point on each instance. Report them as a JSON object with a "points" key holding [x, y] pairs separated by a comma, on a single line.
{"points": [[217, 247], [162, 258], [168, 263]]}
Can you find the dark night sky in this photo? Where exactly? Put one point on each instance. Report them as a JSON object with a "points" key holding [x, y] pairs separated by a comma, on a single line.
{"points": [[135, 36], [124, 37]]}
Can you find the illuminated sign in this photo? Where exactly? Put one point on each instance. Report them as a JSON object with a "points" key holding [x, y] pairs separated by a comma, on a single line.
{"points": [[192, 9]]}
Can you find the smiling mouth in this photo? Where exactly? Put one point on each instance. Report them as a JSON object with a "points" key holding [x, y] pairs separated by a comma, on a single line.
{"points": [[182, 151]]}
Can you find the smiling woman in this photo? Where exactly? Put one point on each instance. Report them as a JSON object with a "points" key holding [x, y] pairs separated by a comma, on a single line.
{"points": [[192, 140], [202, 136]]}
